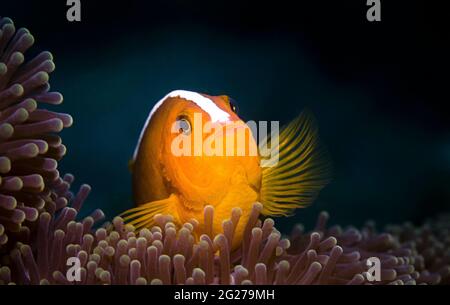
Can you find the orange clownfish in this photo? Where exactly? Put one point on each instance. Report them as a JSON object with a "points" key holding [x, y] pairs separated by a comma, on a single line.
{"points": [[172, 175]]}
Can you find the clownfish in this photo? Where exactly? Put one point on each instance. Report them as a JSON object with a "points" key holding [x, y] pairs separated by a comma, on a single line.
{"points": [[182, 183]]}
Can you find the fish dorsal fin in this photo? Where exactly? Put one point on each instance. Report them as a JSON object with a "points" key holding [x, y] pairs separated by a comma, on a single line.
{"points": [[302, 170]]}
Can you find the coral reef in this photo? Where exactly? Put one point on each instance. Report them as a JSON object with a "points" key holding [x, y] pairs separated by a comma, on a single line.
{"points": [[29, 146]]}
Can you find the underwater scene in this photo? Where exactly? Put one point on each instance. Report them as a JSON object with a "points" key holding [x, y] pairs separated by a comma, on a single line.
{"points": [[172, 143]]}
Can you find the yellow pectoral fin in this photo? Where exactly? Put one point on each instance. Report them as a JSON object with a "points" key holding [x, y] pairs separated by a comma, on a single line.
{"points": [[303, 168], [143, 215]]}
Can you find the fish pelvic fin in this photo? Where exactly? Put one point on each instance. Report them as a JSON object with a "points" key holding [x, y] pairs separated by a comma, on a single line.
{"points": [[145, 215], [302, 170]]}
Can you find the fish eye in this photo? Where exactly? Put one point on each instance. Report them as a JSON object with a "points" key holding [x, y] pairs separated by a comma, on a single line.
{"points": [[183, 125], [233, 105]]}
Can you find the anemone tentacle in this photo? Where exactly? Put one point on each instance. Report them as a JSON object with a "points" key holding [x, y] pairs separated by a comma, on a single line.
{"points": [[29, 145]]}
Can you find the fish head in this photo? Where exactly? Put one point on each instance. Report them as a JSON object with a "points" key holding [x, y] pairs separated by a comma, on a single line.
{"points": [[205, 145]]}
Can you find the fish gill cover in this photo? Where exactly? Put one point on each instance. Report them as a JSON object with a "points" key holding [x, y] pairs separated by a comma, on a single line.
{"points": [[40, 228]]}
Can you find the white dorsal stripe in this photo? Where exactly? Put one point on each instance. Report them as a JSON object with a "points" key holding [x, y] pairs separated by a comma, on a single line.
{"points": [[216, 114]]}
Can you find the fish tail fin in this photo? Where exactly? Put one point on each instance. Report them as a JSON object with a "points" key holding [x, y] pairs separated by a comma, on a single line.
{"points": [[143, 216], [302, 170]]}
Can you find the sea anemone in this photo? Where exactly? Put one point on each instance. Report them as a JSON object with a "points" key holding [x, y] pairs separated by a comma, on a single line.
{"points": [[430, 246], [29, 146], [165, 254]]}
